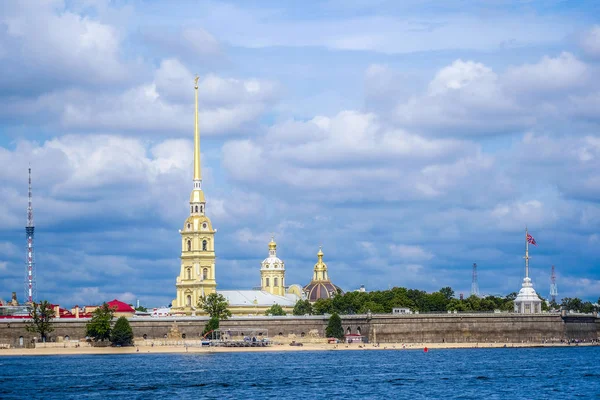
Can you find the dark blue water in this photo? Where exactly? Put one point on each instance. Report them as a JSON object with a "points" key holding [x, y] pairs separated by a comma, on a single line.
{"points": [[559, 373]]}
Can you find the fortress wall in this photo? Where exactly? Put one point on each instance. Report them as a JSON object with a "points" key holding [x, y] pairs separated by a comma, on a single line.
{"points": [[461, 328], [416, 328]]}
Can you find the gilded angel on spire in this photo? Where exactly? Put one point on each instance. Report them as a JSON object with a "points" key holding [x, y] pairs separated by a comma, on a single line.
{"points": [[196, 81]]}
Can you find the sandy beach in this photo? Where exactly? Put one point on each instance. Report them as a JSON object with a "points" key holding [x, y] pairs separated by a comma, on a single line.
{"points": [[145, 349]]}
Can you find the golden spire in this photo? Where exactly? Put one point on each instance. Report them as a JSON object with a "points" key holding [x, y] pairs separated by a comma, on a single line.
{"points": [[272, 244], [320, 254], [197, 172]]}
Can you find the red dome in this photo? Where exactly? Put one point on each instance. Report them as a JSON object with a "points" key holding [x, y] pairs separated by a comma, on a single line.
{"points": [[119, 306]]}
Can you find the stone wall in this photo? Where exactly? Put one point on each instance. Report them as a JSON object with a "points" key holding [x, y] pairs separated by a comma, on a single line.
{"points": [[416, 328]]}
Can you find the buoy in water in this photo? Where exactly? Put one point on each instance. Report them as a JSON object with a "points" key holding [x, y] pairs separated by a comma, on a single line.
{"points": [[425, 349]]}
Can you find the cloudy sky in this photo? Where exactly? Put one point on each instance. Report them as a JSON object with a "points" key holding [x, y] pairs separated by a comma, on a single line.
{"points": [[410, 139]]}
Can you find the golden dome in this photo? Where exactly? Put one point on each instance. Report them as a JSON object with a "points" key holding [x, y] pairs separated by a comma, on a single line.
{"points": [[272, 244]]}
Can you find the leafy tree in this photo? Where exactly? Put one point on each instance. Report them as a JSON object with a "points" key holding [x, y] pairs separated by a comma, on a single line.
{"points": [[302, 307], [122, 334], [99, 326], [572, 304], [215, 305], [211, 325], [141, 309], [447, 292], [41, 319], [334, 327], [276, 310], [323, 306]]}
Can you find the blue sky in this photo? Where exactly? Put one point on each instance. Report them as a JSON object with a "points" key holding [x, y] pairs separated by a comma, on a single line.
{"points": [[409, 139]]}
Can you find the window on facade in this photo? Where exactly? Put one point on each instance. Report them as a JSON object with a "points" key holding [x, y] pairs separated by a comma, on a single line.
{"points": [[189, 273], [267, 282], [348, 331], [189, 226], [196, 208], [201, 208], [188, 300], [189, 245], [204, 244], [275, 281], [205, 273]]}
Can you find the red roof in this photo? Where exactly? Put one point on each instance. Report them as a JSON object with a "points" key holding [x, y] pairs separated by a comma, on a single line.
{"points": [[119, 306]]}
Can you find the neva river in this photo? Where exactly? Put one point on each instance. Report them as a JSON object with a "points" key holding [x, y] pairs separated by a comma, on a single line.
{"points": [[511, 373]]}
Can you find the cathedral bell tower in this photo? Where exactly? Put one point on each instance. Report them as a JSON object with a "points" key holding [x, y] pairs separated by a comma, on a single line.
{"points": [[197, 275], [272, 272]]}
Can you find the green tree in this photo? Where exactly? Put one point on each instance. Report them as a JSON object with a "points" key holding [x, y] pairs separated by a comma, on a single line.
{"points": [[302, 307], [141, 309], [122, 334], [447, 292], [99, 326], [276, 310], [334, 327], [41, 316], [211, 325], [215, 305], [323, 306]]}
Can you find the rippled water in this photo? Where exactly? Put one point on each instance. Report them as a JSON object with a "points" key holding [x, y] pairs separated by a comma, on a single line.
{"points": [[537, 373]]}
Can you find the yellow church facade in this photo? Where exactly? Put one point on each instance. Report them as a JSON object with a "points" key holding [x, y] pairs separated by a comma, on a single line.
{"points": [[197, 274]]}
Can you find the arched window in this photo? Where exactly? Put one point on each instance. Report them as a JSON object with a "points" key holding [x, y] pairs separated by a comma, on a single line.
{"points": [[191, 209], [189, 245], [145, 336], [188, 300], [275, 282], [189, 273], [201, 208], [183, 335], [205, 273], [358, 330], [204, 244], [348, 331], [196, 208], [267, 281]]}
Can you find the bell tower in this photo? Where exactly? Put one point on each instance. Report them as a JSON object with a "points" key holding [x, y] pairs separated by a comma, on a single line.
{"points": [[272, 272], [197, 275]]}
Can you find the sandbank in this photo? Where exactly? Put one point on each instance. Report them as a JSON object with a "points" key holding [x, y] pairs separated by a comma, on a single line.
{"points": [[145, 349]]}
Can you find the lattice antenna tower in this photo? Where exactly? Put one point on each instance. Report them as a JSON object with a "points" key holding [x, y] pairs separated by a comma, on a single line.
{"points": [[30, 284], [553, 287], [474, 282]]}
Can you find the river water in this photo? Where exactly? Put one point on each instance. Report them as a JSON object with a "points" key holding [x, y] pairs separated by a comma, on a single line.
{"points": [[510, 373]]}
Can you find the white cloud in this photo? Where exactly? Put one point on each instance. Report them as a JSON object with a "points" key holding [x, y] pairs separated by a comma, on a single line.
{"points": [[464, 98], [548, 75], [55, 43]]}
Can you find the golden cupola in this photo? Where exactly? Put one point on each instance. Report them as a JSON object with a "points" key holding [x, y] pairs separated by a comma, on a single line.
{"points": [[320, 287]]}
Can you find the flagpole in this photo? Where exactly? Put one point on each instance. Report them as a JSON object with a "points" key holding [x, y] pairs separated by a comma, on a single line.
{"points": [[526, 255]]}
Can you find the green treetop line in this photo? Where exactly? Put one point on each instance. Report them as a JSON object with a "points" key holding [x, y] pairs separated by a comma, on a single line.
{"points": [[418, 300]]}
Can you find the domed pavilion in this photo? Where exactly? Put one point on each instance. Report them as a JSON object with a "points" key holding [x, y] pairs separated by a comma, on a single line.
{"points": [[320, 287]]}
